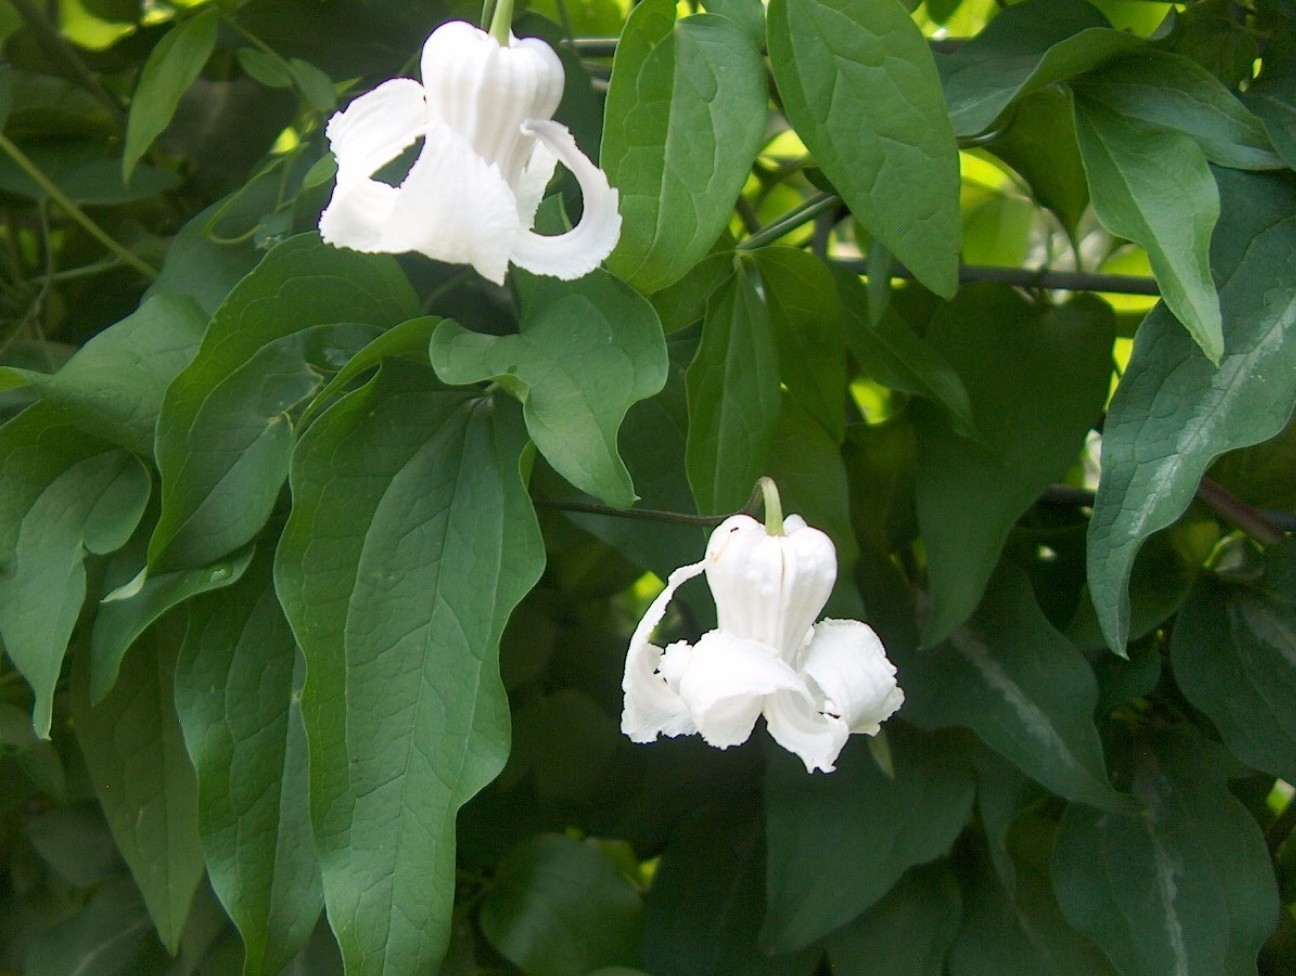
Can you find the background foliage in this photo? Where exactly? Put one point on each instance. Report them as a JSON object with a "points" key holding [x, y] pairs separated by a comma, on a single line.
{"points": [[313, 611]]}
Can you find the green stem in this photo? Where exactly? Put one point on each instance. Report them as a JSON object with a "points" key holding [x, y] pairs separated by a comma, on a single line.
{"points": [[71, 209], [502, 21], [773, 506], [804, 214], [54, 44], [643, 514]]}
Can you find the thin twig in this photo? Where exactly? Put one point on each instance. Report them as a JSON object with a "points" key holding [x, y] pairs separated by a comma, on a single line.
{"points": [[54, 44], [818, 204], [1040, 279], [1250, 520], [643, 514], [71, 209]]}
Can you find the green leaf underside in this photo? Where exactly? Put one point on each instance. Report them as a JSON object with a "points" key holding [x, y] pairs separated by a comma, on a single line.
{"points": [[838, 843], [1185, 887], [1234, 656], [1174, 412], [859, 85], [1022, 687], [1028, 47], [113, 386], [1037, 379], [236, 687], [1154, 188], [733, 396], [684, 119], [1040, 144], [267, 348], [135, 756], [559, 907], [1168, 91], [410, 541], [63, 495], [588, 350], [171, 68]]}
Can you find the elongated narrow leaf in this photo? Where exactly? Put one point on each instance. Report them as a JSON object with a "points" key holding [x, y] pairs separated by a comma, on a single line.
{"points": [[1029, 46], [236, 686], [588, 350], [898, 358], [838, 843], [171, 68], [1021, 686], [860, 88], [1169, 91], [63, 495], [268, 346], [410, 541], [136, 759], [127, 612], [1154, 188], [733, 396], [113, 386], [1037, 379], [1234, 654], [559, 907], [1186, 887], [1174, 412], [685, 116], [806, 318]]}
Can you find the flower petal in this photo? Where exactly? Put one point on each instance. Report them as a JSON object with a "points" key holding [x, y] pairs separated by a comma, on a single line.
{"points": [[580, 250], [652, 703], [848, 663], [797, 724], [726, 683], [375, 129], [454, 206]]}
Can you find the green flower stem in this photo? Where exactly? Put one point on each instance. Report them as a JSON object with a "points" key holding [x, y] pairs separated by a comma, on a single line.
{"points": [[804, 214], [773, 506], [501, 21], [71, 209]]}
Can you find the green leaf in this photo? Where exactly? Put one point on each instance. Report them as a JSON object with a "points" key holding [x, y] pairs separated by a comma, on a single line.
{"points": [[1174, 412], [894, 355], [410, 541], [1235, 659], [1155, 189], [1274, 101], [128, 611], [587, 350], [806, 319], [136, 759], [63, 495], [683, 303], [1019, 931], [1037, 380], [733, 395], [684, 119], [1186, 887], [316, 86], [113, 386], [1027, 47], [237, 685], [1025, 689], [110, 936], [907, 933], [171, 68], [409, 340], [269, 69], [704, 909], [838, 843], [268, 347], [1168, 91], [559, 907], [860, 88], [1040, 144]]}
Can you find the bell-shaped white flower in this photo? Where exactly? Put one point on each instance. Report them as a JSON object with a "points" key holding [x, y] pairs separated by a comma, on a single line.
{"points": [[816, 684], [484, 112]]}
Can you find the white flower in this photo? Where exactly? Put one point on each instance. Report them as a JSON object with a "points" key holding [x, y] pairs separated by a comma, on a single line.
{"points": [[484, 113], [815, 683]]}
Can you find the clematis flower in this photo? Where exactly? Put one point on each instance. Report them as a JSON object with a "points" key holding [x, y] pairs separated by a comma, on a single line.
{"points": [[484, 112], [816, 684]]}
